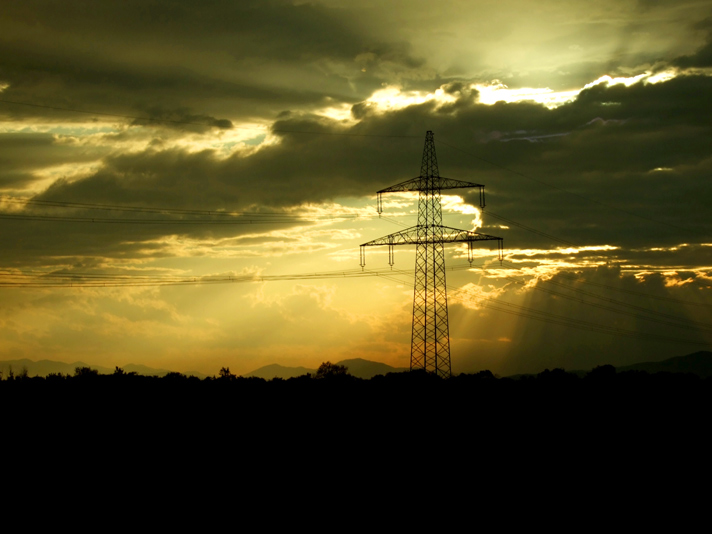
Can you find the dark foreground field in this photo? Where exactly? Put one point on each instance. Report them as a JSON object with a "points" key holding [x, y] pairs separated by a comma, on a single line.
{"points": [[550, 398], [477, 429]]}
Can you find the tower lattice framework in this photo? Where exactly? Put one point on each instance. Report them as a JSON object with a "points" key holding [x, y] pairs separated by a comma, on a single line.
{"points": [[430, 342]]}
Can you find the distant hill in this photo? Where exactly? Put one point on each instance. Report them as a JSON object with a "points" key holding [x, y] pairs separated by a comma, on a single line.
{"points": [[150, 371], [45, 367], [357, 367], [268, 372], [699, 363], [368, 369]]}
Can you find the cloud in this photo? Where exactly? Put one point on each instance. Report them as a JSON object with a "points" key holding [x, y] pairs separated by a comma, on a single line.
{"points": [[24, 155], [173, 61], [622, 319], [615, 137], [703, 56]]}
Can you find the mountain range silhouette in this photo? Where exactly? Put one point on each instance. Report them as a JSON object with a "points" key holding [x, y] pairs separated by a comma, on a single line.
{"points": [[699, 363]]}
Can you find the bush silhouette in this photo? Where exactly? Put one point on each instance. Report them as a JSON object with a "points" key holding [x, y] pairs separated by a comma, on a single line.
{"points": [[85, 372], [331, 370]]}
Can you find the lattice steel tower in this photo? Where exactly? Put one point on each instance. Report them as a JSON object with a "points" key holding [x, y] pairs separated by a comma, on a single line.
{"points": [[430, 345]]}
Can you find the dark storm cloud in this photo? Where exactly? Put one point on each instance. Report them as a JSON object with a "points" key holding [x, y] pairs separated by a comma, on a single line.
{"points": [[654, 258], [641, 150], [231, 60], [302, 168], [218, 57], [21, 154], [64, 242], [703, 56], [617, 39], [644, 308]]}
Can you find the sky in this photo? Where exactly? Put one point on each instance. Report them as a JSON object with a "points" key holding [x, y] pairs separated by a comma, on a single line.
{"points": [[186, 185]]}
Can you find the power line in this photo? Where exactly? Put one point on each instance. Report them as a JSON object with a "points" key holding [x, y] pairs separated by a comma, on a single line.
{"points": [[78, 276], [573, 277], [44, 280], [531, 313], [530, 229], [105, 220], [633, 292], [283, 218], [659, 317], [247, 217], [143, 209], [39, 279], [348, 134], [585, 325], [618, 302], [614, 301], [662, 318]]}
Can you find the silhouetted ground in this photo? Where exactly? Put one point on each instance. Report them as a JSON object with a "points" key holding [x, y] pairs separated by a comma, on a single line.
{"points": [[555, 398], [478, 428]]}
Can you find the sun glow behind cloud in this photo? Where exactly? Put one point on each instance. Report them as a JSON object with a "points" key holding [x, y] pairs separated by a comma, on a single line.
{"points": [[497, 91], [455, 203], [394, 97]]}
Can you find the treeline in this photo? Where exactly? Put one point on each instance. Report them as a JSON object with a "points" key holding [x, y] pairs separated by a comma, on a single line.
{"points": [[328, 373], [331, 408], [601, 384]]}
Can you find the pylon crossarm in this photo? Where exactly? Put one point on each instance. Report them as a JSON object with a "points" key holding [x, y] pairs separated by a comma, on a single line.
{"points": [[434, 234], [449, 183], [454, 235], [436, 182], [408, 185]]}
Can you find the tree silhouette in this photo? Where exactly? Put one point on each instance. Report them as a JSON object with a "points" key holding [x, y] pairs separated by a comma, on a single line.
{"points": [[226, 374], [85, 372], [331, 370]]}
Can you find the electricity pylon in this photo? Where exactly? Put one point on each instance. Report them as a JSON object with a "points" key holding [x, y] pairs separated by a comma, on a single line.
{"points": [[430, 345]]}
